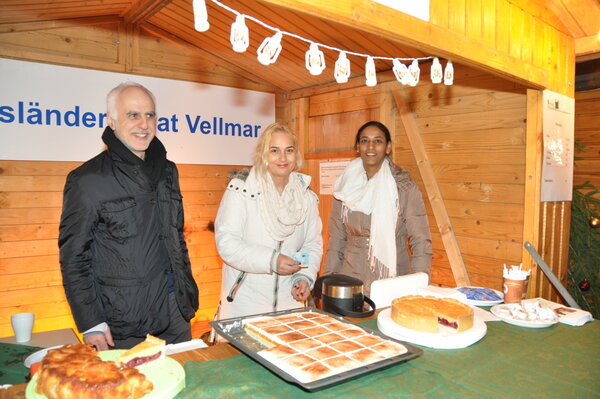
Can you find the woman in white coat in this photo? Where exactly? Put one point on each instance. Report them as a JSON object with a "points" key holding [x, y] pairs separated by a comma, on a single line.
{"points": [[268, 231]]}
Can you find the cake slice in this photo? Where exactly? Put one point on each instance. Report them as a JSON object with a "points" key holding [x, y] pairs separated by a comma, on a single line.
{"points": [[147, 351]]}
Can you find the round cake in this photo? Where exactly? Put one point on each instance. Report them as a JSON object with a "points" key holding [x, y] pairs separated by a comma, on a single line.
{"points": [[427, 313], [76, 371]]}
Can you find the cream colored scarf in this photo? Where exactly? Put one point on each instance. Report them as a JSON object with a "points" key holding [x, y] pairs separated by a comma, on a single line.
{"points": [[377, 197], [281, 213]]}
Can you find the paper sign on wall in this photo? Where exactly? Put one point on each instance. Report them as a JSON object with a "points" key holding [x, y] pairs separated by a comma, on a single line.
{"points": [[56, 113], [557, 163], [329, 171]]}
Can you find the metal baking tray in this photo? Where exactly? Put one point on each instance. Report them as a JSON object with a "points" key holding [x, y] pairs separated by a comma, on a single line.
{"points": [[233, 330]]}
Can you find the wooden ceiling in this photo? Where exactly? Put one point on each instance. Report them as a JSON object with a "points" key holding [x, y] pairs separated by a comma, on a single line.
{"points": [[173, 20]]}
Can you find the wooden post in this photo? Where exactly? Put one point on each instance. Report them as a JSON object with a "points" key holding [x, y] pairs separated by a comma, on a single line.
{"points": [[533, 177], [461, 277]]}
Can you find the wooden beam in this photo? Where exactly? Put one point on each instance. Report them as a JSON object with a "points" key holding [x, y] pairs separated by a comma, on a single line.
{"points": [[331, 155], [141, 11], [299, 122], [57, 24], [397, 26], [533, 178], [588, 46], [461, 276]]}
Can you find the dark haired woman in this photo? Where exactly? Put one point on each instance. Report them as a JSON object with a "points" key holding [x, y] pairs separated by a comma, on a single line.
{"points": [[378, 227]]}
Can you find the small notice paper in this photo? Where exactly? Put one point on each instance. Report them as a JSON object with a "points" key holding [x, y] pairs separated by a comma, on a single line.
{"points": [[329, 171], [557, 165]]}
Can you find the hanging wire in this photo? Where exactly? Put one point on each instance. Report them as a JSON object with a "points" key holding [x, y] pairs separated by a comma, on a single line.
{"points": [[285, 33]]}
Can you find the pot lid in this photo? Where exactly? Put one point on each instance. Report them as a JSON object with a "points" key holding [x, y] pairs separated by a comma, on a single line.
{"points": [[342, 286]]}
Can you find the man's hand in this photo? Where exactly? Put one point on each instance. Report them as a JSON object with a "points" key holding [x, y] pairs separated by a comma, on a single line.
{"points": [[286, 265], [100, 341], [300, 291]]}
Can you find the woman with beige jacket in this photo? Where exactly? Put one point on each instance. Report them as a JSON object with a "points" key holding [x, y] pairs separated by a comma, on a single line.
{"points": [[378, 227]]}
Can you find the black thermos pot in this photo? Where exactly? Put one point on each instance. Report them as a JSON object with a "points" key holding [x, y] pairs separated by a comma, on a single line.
{"points": [[343, 295]]}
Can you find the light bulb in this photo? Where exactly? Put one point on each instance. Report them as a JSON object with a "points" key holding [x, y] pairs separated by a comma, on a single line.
{"points": [[270, 48], [239, 37], [370, 73], [200, 16], [436, 71], [401, 72], [414, 72], [449, 74], [342, 68], [315, 60]]}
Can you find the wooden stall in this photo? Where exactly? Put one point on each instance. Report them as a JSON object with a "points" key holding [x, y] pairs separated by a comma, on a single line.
{"points": [[473, 147]]}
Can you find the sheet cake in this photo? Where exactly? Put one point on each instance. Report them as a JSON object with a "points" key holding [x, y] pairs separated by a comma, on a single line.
{"points": [[310, 346]]}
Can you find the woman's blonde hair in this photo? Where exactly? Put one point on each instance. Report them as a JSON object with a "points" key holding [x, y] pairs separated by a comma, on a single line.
{"points": [[264, 141]]}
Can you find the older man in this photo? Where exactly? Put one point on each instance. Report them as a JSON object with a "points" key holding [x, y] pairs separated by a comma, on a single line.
{"points": [[124, 261]]}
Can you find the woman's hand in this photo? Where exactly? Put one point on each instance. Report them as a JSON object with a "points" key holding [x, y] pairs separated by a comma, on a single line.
{"points": [[300, 291], [286, 265]]}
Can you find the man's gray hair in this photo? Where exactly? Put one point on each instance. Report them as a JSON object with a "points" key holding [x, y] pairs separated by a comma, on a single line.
{"points": [[113, 95]]}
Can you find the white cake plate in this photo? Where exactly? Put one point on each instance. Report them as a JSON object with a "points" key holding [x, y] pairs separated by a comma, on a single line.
{"points": [[445, 339]]}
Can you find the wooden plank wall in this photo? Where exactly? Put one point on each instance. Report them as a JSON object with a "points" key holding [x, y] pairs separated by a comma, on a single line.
{"points": [[31, 192], [587, 132], [474, 133], [30, 207]]}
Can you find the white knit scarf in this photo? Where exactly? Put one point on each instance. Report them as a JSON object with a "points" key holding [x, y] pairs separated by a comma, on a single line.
{"points": [[281, 213], [378, 197]]}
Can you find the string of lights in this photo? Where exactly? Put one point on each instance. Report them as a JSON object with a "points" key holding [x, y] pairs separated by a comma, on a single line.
{"points": [[271, 47]]}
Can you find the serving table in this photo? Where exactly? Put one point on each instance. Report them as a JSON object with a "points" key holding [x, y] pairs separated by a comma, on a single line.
{"points": [[46, 339], [510, 361]]}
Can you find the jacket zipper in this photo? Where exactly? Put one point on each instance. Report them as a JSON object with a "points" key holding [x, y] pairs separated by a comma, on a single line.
{"points": [[276, 287]]}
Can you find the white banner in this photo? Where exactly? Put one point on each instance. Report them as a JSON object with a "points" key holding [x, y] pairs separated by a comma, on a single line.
{"points": [[55, 113]]}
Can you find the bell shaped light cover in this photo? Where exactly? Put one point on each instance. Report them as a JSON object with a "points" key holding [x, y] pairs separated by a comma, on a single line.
{"points": [[370, 72], [436, 71], [239, 37], [269, 50], [449, 74], [342, 68], [400, 71], [200, 16], [414, 72], [315, 60]]}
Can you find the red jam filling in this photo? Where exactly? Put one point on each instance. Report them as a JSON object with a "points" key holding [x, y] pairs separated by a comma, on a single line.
{"points": [[446, 323], [136, 361]]}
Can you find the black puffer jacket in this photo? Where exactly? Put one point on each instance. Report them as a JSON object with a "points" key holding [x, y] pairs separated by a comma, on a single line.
{"points": [[121, 231]]}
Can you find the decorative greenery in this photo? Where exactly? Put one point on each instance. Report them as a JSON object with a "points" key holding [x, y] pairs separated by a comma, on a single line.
{"points": [[584, 248]]}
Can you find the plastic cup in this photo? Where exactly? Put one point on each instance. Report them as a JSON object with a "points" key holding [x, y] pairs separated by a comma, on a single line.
{"points": [[514, 290], [22, 324]]}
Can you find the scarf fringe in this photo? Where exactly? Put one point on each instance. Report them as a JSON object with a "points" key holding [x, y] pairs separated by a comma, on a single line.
{"points": [[378, 268]]}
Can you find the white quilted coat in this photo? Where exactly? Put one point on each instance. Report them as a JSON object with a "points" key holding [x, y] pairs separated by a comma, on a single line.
{"points": [[245, 246]]}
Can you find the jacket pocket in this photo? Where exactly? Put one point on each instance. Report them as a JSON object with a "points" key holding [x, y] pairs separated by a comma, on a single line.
{"points": [[134, 309], [176, 210], [119, 218]]}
